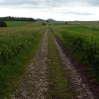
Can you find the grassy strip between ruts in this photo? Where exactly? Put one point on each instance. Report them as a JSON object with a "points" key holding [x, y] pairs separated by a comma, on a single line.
{"points": [[58, 84]]}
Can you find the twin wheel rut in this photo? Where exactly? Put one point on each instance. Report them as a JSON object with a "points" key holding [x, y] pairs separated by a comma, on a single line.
{"points": [[34, 84]]}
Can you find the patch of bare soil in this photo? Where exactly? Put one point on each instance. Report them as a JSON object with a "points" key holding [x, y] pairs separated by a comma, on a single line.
{"points": [[77, 74], [34, 84]]}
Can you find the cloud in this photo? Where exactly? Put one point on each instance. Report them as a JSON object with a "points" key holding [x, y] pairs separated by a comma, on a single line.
{"points": [[48, 3], [51, 8], [93, 2], [18, 2], [79, 13]]}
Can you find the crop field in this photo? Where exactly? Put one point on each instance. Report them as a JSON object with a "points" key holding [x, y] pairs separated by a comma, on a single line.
{"points": [[16, 23], [72, 23], [17, 45], [83, 42]]}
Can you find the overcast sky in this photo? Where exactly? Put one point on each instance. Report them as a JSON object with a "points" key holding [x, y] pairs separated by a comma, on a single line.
{"points": [[57, 9]]}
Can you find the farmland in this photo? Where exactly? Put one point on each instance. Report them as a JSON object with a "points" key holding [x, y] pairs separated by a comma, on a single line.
{"points": [[35, 62], [17, 45], [16, 23], [83, 42]]}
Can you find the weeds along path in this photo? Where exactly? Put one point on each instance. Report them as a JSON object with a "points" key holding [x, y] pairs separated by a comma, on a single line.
{"points": [[34, 84], [45, 78], [81, 89]]}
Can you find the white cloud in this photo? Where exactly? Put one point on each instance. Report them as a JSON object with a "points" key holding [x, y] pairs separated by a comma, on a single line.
{"points": [[59, 10]]}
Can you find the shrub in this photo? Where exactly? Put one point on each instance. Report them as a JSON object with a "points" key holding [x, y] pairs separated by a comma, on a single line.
{"points": [[43, 23], [3, 24], [66, 22]]}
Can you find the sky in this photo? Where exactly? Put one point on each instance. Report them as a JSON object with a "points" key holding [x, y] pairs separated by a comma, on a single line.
{"points": [[63, 10]]}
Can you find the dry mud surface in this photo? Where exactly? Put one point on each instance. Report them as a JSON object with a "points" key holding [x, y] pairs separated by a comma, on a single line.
{"points": [[34, 84]]}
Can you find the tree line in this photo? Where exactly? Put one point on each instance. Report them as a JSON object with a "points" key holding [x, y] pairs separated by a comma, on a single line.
{"points": [[9, 18]]}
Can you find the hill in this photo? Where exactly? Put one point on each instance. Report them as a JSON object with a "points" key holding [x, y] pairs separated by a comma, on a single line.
{"points": [[51, 20], [39, 19]]}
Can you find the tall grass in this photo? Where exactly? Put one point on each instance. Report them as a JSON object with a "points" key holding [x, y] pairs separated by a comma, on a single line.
{"points": [[83, 42], [15, 45]]}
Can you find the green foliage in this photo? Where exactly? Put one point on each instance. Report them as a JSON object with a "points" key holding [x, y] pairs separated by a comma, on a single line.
{"points": [[83, 42], [47, 21], [43, 23], [14, 47], [3, 24], [66, 22], [9, 18]]}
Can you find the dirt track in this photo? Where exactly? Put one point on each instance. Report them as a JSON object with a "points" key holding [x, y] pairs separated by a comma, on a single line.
{"points": [[34, 84], [83, 82], [81, 89]]}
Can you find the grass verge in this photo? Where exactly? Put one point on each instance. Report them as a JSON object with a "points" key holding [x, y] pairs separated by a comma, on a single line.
{"points": [[16, 50], [58, 84], [83, 43]]}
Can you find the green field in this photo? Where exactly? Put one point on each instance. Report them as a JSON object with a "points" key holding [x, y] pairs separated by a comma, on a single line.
{"points": [[19, 43], [17, 46], [72, 23], [83, 41], [16, 23]]}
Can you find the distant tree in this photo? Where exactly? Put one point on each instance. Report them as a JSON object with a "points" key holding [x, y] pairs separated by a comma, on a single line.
{"points": [[3, 24], [66, 22], [47, 21], [9, 18]]}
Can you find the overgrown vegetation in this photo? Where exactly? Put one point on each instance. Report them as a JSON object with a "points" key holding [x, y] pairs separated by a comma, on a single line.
{"points": [[44, 23], [3, 24], [83, 42], [57, 83], [15, 45]]}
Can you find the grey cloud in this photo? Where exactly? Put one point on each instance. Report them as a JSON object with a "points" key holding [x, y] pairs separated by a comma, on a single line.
{"points": [[18, 2], [78, 13], [33, 4], [92, 2], [47, 3]]}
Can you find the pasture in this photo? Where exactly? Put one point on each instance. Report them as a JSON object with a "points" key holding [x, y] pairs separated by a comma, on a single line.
{"points": [[16, 23]]}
